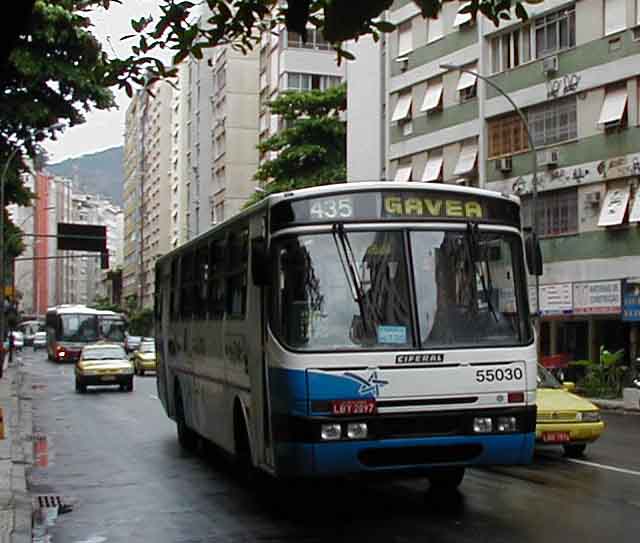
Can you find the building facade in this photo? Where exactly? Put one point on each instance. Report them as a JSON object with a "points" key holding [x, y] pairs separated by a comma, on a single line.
{"points": [[573, 68], [147, 193]]}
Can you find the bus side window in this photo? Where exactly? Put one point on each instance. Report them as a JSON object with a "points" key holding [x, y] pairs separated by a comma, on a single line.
{"points": [[202, 282], [187, 279], [216, 279], [173, 285], [237, 274]]}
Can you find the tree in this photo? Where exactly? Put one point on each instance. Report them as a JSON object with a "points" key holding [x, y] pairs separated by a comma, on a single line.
{"points": [[55, 71], [312, 148]]}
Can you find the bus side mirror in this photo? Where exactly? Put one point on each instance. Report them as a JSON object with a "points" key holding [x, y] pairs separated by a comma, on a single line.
{"points": [[534, 254], [260, 262]]}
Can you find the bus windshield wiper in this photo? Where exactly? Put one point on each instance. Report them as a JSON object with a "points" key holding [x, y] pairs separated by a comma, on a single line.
{"points": [[347, 260], [472, 254]]}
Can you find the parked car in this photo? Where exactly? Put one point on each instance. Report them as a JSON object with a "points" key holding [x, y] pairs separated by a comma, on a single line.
{"points": [[39, 341], [565, 418], [131, 343], [103, 364], [144, 357]]}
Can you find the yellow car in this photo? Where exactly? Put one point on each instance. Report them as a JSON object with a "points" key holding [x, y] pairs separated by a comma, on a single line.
{"points": [[144, 357], [103, 364], [565, 418]]}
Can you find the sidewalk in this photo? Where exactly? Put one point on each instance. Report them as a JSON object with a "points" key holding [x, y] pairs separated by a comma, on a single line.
{"points": [[630, 402], [16, 455]]}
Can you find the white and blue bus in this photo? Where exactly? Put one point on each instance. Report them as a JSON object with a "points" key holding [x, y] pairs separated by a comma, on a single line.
{"points": [[365, 327]]}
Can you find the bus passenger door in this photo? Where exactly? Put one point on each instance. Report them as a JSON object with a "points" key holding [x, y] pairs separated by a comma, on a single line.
{"points": [[256, 314]]}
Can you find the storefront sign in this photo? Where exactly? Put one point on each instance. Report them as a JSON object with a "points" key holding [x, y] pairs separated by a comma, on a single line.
{"points": [[631, 300], [556, 299], [597, 298]]}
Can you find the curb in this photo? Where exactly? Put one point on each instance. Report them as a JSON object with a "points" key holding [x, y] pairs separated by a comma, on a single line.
{"points": [[16, 401], [616, 406]]}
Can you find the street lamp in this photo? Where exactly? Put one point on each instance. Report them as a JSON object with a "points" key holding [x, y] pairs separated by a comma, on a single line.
{"points": [[534, 159]]}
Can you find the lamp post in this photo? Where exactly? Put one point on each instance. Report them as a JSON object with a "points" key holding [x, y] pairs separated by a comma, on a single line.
{"points": [[534, 158]]}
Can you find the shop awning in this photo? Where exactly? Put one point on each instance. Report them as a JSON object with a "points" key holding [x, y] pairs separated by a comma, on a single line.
{"points": [[403, 173], [634, 214], [403, 107], [433, 95], [467, 159], [462, 18], [466, 79], [433, 169], [615, 102], [614, 206]]}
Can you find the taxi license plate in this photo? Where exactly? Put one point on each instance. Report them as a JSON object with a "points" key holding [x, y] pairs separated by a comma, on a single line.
{"points": [[556, 437], [108, 378]]}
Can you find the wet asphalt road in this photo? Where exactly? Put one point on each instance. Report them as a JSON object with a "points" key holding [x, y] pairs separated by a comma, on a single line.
{"points": [[114, 456]]}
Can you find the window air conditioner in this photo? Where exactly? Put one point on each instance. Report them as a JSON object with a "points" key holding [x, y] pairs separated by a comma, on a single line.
{"points": [[549, 158], [505, 165], [550, 65]]}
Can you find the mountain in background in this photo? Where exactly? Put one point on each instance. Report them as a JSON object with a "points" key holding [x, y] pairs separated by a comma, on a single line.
{"points": [[100, 173]]}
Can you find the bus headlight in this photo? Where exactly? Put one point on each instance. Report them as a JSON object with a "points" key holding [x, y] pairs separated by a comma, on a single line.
{"points": [[330, 432], [357, 430], [506, 424], [482, 425]]}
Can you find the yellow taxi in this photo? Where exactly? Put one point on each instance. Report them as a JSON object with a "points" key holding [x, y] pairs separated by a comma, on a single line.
{"points": [[103, 364], [144, 357], [565, 418]]}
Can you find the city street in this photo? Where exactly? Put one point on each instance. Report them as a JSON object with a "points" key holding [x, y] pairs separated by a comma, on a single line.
{"points": [[114, 458]]}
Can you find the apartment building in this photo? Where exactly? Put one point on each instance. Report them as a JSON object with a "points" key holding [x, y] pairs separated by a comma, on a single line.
{"points": [[574, 70], [147, 190], [289, 64]]}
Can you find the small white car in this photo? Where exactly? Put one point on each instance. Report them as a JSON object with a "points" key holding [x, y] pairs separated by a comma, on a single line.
{"points": [[39, 341]]}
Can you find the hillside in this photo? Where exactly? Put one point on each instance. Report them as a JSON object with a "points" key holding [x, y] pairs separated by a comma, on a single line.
{"points": [[98, 173]]}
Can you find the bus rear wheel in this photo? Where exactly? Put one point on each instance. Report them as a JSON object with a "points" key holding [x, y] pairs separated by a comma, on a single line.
{"points": [[446, 479], [187, 438]]}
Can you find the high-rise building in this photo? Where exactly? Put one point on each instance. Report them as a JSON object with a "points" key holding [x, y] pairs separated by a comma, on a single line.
{"points": [[573, 70], [147, 188]]}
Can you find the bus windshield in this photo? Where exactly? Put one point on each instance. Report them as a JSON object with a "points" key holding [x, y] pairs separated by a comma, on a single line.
{"points": [[359, 290], [112, 329], [78, 327]]}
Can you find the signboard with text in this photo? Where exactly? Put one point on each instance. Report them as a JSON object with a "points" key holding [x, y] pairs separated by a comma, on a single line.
{"points": [[597, 298], [556, 299], [631, 300]]}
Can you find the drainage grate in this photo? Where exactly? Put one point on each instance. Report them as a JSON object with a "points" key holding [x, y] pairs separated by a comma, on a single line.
{"points": [[44, 502]]}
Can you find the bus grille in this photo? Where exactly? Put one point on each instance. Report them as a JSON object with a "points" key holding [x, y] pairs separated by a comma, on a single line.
{"points": [[411, 456]]}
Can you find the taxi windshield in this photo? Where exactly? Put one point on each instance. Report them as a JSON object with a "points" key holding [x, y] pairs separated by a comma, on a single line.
{"points": [[546, 379], [104, 353]]}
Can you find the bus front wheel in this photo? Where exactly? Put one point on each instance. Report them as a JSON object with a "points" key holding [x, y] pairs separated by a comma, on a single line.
{"points": [[446, 479], [187, 438]]}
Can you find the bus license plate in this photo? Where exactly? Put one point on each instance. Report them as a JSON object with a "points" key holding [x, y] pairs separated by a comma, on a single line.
{"points": [[556, 437], [353, 407]]}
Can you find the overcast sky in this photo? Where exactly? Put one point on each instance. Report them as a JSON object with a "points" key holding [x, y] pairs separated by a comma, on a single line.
{"points": [[104, 129]]}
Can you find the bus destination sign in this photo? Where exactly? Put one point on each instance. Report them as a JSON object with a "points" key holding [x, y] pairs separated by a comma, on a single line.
{"points": [[392, 205]]}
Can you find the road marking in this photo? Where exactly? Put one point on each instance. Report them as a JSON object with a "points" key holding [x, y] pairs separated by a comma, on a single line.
{"points": [[153, 397], [603, 466]]}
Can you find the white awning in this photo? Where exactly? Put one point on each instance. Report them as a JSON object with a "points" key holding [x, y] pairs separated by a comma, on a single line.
{"points": [[433, 95], [403, 173], [614, 207], [433, 169], [462, 18], [466, 79], [403, 107], [467, 159], [615, 102], [435, 29], [634, 215]]}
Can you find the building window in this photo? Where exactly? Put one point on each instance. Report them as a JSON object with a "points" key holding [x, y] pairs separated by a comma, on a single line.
{"points": [[557, 212], [615, 16], [221, 78], [614, 108], [306, 82], [511, 49], [435, 29], [507, 136], [555, 31], [405, 38], [467, 84], [554, 122], [315, 40]]}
